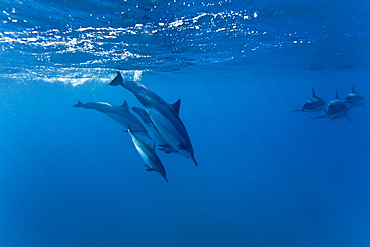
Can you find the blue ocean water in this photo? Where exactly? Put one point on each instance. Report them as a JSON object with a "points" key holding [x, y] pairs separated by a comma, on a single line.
{"points": [[70, 177]]}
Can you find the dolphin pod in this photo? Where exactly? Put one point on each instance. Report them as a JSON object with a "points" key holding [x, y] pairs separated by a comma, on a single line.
{"points": [[160, 118], [337, 108], [164, 116]]}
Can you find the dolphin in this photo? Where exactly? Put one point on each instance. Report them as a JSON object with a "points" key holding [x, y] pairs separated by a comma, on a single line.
{"points": [[162, 142], [354, 99], [337, 108], [148, 154], [164, 116], [120, 114], [313, 104]]}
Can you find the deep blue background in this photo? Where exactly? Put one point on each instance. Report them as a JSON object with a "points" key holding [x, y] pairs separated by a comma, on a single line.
{"points": [[69, 177], [266, 176]]}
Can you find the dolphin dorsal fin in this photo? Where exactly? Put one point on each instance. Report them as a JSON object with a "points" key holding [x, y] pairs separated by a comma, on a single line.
{"points": [[336, 94], [124, 105], [176, 106], [118, 80], [313, 93], [353, 89], [79, 104]]}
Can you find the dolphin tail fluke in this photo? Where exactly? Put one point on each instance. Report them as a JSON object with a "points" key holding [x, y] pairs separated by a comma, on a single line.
{"points": [[79, 104], [118, 80], [167, 148]]}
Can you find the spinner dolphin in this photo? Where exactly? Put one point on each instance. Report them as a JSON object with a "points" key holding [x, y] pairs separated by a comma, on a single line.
{"points": [[337, 109], [164, 116], [313, 104]]}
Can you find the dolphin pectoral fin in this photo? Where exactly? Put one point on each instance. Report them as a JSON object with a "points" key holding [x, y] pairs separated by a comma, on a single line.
{"points": [[331, 119], [323, 116], [363, 106], [296, 110], [149, 169], [118, 80], [349, 118], [167, 148], [168, 151], [325, 111], [165, 145], [79, 104]]}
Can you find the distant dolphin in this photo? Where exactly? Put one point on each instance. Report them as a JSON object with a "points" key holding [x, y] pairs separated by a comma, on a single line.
{"points": [[336, 109], [148, 154], [162, 142], [164, 116], [313, 104], [120, 114], [354, 99]]}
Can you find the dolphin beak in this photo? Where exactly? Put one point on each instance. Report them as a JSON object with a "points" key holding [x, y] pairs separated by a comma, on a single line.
{"points": [[193, 159]]}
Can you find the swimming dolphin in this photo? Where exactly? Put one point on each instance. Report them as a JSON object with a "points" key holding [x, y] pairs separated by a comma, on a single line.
{"points": [[336, 109], [354, 99], [162, 142], [164, 116], [313, 104], [120, 114], [148, 154]]}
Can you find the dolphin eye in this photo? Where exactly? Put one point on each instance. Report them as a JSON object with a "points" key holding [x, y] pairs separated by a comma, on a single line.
{"points": [[179, 146]]}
